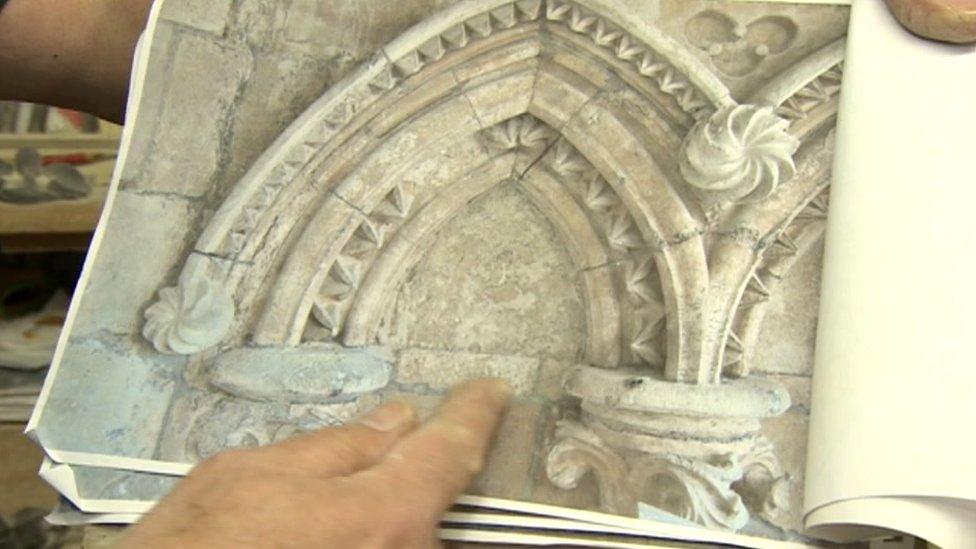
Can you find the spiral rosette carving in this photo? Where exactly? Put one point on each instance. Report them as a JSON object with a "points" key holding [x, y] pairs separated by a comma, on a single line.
{"points": [[741, 152], [189, 317]]}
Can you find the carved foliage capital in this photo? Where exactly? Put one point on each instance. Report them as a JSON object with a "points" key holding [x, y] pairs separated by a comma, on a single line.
{"points": [[694, 489]]}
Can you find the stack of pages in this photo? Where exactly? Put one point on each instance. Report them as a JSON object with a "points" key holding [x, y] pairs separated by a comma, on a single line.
{"points": [[619, 206], [26, 347]]}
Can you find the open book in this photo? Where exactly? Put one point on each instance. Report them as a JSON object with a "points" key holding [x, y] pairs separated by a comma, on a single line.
{"points": [[617, 205]]}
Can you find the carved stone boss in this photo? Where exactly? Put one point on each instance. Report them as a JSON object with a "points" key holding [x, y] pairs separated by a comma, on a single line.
{"points": [[681, 207]]}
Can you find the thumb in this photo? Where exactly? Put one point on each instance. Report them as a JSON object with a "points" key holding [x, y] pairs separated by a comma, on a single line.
{"points": [[943, 20]]}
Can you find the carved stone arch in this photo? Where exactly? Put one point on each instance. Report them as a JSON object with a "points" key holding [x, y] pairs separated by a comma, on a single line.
{"points": [[458, 35], [808, 92], [667, 193], [784, 227], [342, 282], [584, 244], [335, 164], [586, 248]]}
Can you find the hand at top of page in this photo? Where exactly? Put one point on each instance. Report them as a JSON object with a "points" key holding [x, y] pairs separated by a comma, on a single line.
{"points": [[382, 481], [943, 20]]}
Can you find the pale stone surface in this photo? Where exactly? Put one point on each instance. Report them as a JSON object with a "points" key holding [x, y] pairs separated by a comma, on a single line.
{"points": [[116, 485], [798, 387], [552, 378], [196, 113], [509, 291], [206, 15], [785, 344], [126, 398], [788, 433], [307, 374], [144, 236], [226, 422], [789, 33], [586, 495], [279, 88], [441, 370], [154, 91], [364, 27], [342, 33]]}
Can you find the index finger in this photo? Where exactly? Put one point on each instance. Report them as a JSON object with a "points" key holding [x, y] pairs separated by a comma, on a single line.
{"points": [[435, 463]]}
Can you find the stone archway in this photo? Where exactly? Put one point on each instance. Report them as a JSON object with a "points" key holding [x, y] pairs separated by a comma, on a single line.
{"points": [[668, 195]]}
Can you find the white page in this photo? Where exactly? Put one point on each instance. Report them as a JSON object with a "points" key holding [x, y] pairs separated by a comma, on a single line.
{"points": [[510, 513], [178, 468], [892, 405], [140, 59]]}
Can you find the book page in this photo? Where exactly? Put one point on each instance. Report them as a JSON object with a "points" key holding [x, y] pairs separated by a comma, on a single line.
{"points": [[890, 436], [526, 216]]}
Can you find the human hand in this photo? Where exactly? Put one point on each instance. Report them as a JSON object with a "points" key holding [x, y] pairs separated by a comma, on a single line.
{"points": [[943, 20], [381, 481], [70, 53]]}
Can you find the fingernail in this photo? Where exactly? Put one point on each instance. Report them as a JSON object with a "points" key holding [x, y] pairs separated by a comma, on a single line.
{"points": [[391, 416]]}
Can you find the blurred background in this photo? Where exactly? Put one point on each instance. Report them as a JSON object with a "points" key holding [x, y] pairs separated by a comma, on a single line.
{"points": [[55, 169]]}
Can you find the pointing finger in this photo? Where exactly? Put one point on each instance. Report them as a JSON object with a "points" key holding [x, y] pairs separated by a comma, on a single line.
{"points": [[435, 463]]}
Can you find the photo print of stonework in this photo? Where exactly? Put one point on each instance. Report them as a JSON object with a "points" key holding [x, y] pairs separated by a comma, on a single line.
{"points": [[616, 205]]}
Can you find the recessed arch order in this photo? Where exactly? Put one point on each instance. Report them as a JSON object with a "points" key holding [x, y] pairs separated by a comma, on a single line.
{"points": [[333, 199]]}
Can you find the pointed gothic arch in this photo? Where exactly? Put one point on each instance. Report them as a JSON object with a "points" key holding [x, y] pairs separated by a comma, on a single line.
{"points": [[621, 98], [620, 137]]}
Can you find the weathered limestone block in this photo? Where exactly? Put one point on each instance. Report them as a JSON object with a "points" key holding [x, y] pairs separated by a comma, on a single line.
{"points": [[201, 89], [441, 370], [278, 89], [123, 415], [790, 329], [144, 236], [509, 293], [206, 15]]}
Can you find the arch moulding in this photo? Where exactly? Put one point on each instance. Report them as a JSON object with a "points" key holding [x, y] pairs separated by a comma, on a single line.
{"points": [[675, 202]]}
